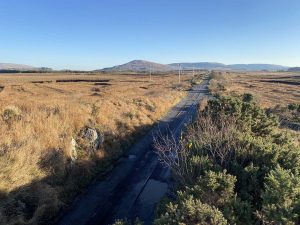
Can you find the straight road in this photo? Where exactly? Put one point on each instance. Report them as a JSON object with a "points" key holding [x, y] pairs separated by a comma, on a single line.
{"points": [[138, 182]]}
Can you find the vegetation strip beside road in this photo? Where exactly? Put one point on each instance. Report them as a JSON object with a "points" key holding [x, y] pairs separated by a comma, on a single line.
{"points": [[234, 166]]}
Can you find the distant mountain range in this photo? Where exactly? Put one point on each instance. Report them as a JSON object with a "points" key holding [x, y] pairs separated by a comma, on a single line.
{"points": [[11, 66], [21, 67], [294, 69], [142, 65], [221, 66], [145, 66]]}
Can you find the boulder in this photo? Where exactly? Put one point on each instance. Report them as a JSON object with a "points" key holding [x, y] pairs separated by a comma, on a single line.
{"points": [[91, 139]]}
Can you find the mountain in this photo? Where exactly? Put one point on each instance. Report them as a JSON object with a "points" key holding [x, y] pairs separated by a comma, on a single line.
{"points": [[294, 69], [140, 65], [257, 67], [11, 66], [200, 65], [221, 66]]}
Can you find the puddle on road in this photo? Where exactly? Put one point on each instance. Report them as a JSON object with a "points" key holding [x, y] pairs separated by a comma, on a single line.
{"points": [[153, 192], [151, 195]]}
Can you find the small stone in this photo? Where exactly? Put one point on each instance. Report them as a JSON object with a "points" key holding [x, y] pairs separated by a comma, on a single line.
{"points": [[73, 150]]}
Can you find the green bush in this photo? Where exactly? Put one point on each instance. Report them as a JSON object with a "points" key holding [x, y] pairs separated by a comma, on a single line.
{"points": [[235, 160], [217, 189], [281, 198], [249, 116], [190, 211], [125, 222], [247, 97], [214, 188]]}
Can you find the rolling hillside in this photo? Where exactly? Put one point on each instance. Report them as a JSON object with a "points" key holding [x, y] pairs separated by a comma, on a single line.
{"points": [[140, 65], [200, 65], [12, 66], [143, 66], [21, 67]]}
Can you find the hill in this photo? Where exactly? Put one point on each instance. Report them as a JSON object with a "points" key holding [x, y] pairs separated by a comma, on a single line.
{"points": [[221, 66], [140, 65], [294, 69], [257, 67], [200, 65], [12, 66]]}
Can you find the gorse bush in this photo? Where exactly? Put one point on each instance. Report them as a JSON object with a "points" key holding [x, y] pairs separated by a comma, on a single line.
{"points": [[235, 163], [281, 197], [189, 210], [125, 222]]}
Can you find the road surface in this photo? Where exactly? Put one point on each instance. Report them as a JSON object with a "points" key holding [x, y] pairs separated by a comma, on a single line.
{"points": [[138, 182]]}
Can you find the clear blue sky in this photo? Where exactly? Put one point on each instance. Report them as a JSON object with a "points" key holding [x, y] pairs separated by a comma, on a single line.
{"points": [[91, 34]]}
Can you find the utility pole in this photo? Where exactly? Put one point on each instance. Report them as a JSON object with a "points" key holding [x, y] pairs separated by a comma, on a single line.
{"points": [[150, 74], [179, 74]]}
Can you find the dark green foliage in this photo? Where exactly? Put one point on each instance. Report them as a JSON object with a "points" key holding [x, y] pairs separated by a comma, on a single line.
{"points": [[215, 188], [198, 164], [240, 163], [238, 212], [247, 97], [293, 106], [249, 116], [188, 210], [125, 222], [281, 198]]}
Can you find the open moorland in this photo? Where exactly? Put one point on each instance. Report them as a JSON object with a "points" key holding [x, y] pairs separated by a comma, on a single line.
{"points": [[268, 88], [58, 131], [278, 92]]}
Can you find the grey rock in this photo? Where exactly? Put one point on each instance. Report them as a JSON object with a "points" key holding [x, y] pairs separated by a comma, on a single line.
{"points": [[93, 138], [73, 150]]}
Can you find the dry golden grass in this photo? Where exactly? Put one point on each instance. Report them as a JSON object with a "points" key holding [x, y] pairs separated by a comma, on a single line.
{"points": [[36, 175], [268, 88]]}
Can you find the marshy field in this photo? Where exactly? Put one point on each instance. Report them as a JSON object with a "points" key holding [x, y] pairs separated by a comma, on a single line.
{"points": [[43, 161]]}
